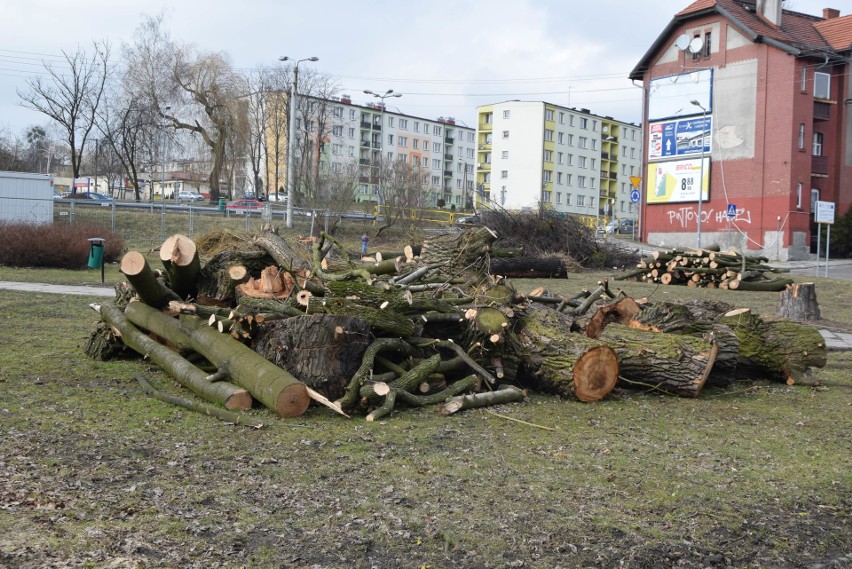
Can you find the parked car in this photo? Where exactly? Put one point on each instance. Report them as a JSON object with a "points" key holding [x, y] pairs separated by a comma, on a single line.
{"points": [[621, 226], [243, 205], [468, 219], [189, 196], [99, 197]]}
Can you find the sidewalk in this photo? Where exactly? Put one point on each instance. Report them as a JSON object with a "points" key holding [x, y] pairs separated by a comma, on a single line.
{"points": [[101, 291]]}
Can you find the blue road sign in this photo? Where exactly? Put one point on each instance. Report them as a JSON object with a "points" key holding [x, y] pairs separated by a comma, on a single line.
{"points": [[634, 196], [732, 210]]}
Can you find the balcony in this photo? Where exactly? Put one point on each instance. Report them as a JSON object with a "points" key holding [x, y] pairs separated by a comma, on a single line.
{"points": [[377, 126], [604, 155], [366, 124], [448, 156], [819, 166], [822, 111], [449, 140], [613, 175], [365, 143], [364, 161], [448, 173]]}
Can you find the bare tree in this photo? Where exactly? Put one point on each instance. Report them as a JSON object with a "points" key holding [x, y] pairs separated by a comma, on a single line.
{"points": [[71, 96], [404, 191]]}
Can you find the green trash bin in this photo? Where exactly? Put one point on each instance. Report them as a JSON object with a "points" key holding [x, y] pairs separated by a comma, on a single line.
{"points": [[96, 253], [221, 204]]}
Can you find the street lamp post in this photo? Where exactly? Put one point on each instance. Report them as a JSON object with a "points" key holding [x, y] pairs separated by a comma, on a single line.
{"points": [[163, 150], [382, 97], [701, 180], [291, 137]]}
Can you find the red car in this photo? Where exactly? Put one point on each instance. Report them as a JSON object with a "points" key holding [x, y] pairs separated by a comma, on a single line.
{"points": [[244, 205]]}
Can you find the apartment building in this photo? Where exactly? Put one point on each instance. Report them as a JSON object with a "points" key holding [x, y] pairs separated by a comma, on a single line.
{"points": [[748, 126], [338, 137], [534, 153]]}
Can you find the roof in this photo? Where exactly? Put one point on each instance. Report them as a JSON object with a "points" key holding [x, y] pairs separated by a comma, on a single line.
{"points": [[837, 32], [799, 33]]}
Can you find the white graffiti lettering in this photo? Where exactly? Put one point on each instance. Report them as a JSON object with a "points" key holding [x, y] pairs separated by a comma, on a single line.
{"points": [[688, 215]]}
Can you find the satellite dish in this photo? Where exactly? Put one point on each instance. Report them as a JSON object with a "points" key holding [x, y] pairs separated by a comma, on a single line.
{"points": [[696, 44], [682, 42]]}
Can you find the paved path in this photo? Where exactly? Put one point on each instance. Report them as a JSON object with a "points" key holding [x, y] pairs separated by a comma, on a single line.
{"points": [[103, 291]]}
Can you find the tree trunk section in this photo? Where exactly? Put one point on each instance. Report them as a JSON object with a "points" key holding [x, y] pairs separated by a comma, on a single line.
{"points": [[775, 350], [553, 360], [144, 281], [799, 302], [276, 388], [181, 370], [322, 350], [179, 255], [215, 284], [674, 363]]}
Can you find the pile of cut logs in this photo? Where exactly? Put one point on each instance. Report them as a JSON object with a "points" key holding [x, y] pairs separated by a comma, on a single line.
{"points": [[710, 268], [285, 325]]}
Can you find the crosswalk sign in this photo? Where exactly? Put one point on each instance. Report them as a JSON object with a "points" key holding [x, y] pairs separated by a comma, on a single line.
{"points": [[732, 210]]}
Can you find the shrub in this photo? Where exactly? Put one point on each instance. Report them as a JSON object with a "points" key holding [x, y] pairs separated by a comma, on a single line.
{"points": [[54, 245]]}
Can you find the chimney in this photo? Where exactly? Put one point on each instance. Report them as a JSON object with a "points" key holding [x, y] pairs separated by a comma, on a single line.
{"points": [[771, 10], [830, 13]]}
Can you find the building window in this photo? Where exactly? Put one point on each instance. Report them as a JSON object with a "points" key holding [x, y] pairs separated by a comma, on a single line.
{"points": [[583, 142], [584, 123], [548, 115], [403, 141], [390, 121], [505, 134], [804, 86], [548, 135], [559, 157], [504, 155], [571, 139], [801, 136], [507, 114], [814, 199], [707, 44], [822, 85], [390, 140], [437, 130], [817, 146], [561, 117], [582, 162], [416, 126], [559, 180], [352, 114], [569, 180], [426, 128], [415, 144], [548, 156], [560, 137], [548, 175], [545, 196], [559, 197], [593, 163], [486, 118], [570, 159], [436, 147], [337, 149], [799, 195], [567, 199], [581, 182], [337, 130], [581, 200], [436, 164], [504, 174], [403, 124], [351, 133]]}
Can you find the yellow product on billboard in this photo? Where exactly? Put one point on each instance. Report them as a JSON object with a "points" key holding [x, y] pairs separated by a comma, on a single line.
{"points": [[678, 181]]}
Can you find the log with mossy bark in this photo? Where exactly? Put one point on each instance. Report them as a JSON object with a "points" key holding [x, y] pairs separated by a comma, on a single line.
{"points": [[181, 370], [775, 349], [673, 363], [553, 360], [273, 386], [151, 290]]}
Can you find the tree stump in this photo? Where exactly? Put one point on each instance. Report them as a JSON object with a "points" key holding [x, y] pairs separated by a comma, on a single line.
{"points": [[323, 351], [799, 302]]}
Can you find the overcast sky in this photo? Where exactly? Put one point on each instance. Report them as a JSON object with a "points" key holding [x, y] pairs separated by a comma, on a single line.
{"points": [[445, 56]]}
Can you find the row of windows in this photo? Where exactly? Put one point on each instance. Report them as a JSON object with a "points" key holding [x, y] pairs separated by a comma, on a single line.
{"points": [[582, 122]]}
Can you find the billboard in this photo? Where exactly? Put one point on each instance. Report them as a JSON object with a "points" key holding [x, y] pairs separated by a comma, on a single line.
{"points": [[673, 96], [678, 181], [681, 137]]}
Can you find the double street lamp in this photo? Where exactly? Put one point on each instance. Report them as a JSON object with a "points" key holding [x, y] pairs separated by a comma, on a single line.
{"points": [[701, 180], [382, 96], [291, 137]]}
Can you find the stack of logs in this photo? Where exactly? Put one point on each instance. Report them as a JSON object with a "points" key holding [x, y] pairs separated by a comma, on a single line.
{"points": [[282, 325], [709, 268]]}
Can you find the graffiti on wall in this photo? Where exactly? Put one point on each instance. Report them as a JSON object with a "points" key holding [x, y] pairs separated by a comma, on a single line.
{"points": [[689, 215]]}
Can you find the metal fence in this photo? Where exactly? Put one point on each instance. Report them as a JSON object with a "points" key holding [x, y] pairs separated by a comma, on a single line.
{"points": [[147, 224]]}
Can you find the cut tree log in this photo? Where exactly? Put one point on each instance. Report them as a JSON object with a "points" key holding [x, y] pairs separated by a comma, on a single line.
{"points": [[676, 364], [775, 349], [179, 255], [553, 360], [799, 302], [276, 388], [530, 267], [509, 394], [618, 312], [181, 370], [144, 281], [324, 351]]}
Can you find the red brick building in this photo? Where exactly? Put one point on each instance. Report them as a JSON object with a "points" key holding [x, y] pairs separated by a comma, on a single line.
{"points": [[753, 101]]}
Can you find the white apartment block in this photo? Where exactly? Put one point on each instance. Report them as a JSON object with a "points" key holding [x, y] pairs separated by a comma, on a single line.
{"points": [[533, 153], [366, 138]]}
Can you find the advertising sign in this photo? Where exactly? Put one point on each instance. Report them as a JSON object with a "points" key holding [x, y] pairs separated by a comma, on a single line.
{"points": [[672, 96], [678, 181], [681, 137], [824, 212]]}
